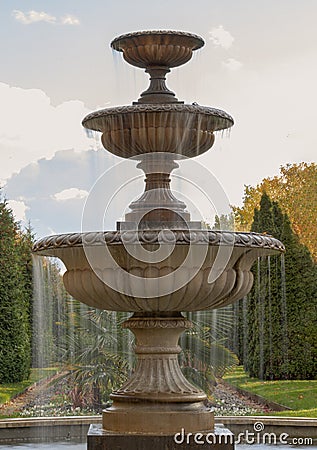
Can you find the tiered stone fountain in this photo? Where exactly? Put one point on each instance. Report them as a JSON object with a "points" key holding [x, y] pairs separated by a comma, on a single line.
{"points": [[180, 272]]}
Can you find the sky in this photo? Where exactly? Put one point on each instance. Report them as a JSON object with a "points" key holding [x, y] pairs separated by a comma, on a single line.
{"points": [[259, 64]]}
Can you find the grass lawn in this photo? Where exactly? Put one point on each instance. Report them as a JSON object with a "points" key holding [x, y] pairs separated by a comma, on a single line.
{"points": [[300, 395], [9, 390]]}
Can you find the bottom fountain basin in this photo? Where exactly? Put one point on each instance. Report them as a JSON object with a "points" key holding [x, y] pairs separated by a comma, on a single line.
{"points": [[156, 271]]}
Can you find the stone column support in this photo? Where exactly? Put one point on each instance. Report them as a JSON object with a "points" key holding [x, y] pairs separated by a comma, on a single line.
{"points": [[158, 92], [157, 396], [157, 203]]}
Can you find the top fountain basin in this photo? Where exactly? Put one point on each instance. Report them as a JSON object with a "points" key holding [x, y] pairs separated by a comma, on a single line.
{"points": [[157, 48]]}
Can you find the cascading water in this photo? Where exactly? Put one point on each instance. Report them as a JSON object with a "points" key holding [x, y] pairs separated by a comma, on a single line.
{"points": [[245, 327], [284, 315], [266, 303], [261, 314], [62, 329], [52, 314]]}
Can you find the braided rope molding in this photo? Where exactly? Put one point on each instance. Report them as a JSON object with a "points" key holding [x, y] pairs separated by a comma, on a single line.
{"points": [[179, 237], [161, 108]]}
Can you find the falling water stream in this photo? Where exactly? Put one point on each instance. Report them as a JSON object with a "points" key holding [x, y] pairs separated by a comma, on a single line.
{"points": [[269, 295], [245, 327], [261, 290], [233, 322], [284, 311], [60, 325], [265, 316], [53, 314]]}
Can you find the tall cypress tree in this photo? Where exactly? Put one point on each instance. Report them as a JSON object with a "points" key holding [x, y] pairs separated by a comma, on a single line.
{"points": [[282, 318], [301, 306], [15, 348]]}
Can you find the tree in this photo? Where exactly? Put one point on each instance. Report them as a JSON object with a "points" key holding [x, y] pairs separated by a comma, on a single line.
{"points": [[224, 222], [25, 243], [282, 319], [295, 190], [15, 299]]}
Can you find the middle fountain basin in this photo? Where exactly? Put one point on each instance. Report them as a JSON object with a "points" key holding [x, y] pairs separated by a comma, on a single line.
{"points": [[186, 130]]}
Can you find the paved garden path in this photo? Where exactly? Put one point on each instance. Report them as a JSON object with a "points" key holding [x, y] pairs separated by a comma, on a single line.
{"points": [[34, 393]]}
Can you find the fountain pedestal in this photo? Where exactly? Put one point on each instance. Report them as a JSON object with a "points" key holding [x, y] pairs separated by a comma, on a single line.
{"points": [[157, 398], [157, 408]]}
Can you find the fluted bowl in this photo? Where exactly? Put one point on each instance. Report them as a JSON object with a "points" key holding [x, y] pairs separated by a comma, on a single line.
{"points": [[186, 130], [157, 48], [177, 283]]}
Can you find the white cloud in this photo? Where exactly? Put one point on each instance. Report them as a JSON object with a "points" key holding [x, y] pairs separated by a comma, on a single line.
{"points": [[41, 16], [70, 20], [221, 37], [68, 174], [232, 64], [70, 194], [19, 208], [33, 17], [36, 129]]}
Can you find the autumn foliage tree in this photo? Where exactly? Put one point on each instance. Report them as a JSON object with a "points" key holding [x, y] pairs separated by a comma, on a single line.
{"points": [[295, 190]]}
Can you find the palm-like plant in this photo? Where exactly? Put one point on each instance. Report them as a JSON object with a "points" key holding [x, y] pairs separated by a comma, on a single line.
{"points": [[102, 353], [98, 357]]}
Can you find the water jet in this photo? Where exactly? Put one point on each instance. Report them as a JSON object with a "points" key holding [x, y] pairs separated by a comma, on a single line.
{"points": [[158, 263]]}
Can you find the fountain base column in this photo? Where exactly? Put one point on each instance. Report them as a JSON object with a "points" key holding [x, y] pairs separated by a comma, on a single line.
{"points": [[157, 399]]}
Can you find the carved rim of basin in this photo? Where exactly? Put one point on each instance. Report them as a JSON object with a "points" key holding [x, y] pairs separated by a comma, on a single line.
{"points": [[241, 239], [100, 286], [157, 48], [186, 130]]}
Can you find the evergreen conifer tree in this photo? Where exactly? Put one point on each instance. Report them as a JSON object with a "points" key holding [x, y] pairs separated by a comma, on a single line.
{"points": [[15, 348], [282, 306]]}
